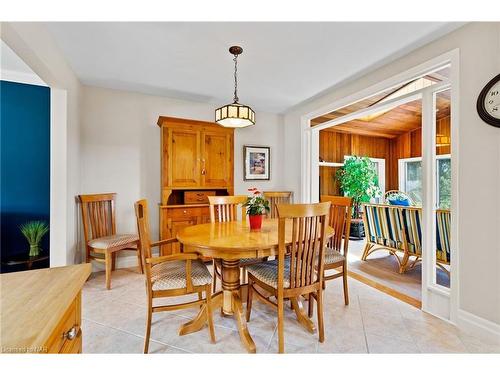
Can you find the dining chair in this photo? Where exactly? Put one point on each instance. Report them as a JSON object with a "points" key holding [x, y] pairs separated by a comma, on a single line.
{"points": [[171, 275], [223, 209], [338, 245], [275, 198], [99, 229], [293, 273]]}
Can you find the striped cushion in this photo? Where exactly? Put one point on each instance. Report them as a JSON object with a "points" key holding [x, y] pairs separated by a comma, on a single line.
{"points": [[412, 219], [443, 236], [172, 275], [267, 272], [113, 241], [384, 225]]}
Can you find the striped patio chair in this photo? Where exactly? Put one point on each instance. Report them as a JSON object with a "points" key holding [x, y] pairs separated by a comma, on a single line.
{"points": [[384, 230], [443, 237], [411, 217]]}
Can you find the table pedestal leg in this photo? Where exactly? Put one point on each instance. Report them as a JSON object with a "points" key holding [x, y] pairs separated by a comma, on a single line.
{"points": [[302, 317], [201, 319], [230, 301]]}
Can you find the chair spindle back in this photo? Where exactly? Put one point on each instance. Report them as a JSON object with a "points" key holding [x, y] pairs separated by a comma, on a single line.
{"points": [[340, 221], [306, 253], [98, 215], [225, 208], [275, 198]]}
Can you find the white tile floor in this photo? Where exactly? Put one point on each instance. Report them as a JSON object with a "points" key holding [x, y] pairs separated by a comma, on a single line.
{"points": [[114, 322]]}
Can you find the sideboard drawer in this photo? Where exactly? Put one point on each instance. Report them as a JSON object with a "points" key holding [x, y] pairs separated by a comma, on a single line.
{"points": [[185, 212], [197, 196], [68, 331]]}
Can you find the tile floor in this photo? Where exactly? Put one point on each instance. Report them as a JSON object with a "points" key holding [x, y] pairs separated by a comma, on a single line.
{"points": [[114, 322]]}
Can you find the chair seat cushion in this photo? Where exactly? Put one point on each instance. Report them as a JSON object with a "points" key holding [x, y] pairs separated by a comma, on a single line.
{"points": [[243, 262], [249, 261], [172, 275], [333, 256], [267, 272], [115, 240]]}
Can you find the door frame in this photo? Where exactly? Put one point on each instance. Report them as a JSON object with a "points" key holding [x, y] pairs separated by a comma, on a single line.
{"points": [[436, 300]]}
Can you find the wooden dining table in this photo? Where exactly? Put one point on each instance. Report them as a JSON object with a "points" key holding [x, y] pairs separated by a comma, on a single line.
{"points": [[230, 242]]}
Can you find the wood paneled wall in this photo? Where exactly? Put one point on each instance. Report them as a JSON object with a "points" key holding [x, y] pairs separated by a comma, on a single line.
{"points": [[334, 145]]}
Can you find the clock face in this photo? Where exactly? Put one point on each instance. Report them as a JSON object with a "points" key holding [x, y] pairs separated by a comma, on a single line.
{"points": [[488, 102], [492, 101]]}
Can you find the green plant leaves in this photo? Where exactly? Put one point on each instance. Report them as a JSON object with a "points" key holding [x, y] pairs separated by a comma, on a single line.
{"points": [[34, 231], [358, 179]]}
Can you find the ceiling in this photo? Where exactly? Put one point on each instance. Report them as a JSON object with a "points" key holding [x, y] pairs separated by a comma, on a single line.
{"points": [[400, 120], [283, 64]]}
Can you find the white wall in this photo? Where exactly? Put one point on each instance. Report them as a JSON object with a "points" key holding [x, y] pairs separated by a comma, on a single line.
{"points": [[479, 172], [121, 147], [35, 46]]}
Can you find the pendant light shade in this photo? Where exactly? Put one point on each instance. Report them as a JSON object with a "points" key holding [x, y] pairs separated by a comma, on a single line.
{"points": [[235, 115]]}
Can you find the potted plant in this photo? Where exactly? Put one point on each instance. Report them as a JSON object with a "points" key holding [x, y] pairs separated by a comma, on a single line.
{"points": [[398, 199], [256, 207], [34, 232], [358, 179]]}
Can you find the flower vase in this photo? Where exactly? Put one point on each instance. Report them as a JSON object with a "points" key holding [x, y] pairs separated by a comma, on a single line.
{"points": [[34, 250], [255, 221]]}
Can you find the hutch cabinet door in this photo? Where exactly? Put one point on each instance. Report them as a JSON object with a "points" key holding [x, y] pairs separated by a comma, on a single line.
{"points": [[183, 153], [216, 162], [174, 226]]}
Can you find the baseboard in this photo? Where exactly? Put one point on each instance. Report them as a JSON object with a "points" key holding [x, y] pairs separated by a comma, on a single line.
{"points": [[478, 326]]}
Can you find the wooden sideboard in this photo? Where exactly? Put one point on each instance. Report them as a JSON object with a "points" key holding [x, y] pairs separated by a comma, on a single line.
{"points": [[41, 310], [197, 159]]}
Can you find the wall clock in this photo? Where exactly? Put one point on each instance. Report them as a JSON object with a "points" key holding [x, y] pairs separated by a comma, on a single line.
{"points": [[488, 102]]}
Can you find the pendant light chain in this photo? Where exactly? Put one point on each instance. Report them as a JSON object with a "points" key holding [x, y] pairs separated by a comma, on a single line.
{"points": [[236, 99], [235, 115]]}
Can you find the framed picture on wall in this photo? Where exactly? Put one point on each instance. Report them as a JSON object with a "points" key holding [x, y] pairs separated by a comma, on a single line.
{"points": [[257, 163]]}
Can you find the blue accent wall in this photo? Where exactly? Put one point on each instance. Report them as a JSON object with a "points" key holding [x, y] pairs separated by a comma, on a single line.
{"points": [[25, 162]]}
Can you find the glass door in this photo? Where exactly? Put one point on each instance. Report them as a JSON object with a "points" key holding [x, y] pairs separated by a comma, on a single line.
{"points": [[437, 250]]}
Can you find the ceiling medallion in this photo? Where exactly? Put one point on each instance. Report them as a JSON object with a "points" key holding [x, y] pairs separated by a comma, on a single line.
{"points": [[235, 115]]}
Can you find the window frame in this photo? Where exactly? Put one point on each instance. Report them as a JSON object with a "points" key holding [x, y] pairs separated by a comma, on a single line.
{"points": [[402, 172]]}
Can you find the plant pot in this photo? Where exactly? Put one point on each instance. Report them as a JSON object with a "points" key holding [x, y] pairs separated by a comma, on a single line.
{"points": [[357, 230], [255, 221]]}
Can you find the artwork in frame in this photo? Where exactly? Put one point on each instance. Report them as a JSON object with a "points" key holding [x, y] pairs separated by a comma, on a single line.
{"points": [[257, 163]]}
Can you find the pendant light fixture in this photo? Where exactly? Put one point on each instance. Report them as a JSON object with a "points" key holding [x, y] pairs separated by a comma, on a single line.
{"points": [[235, 115]]}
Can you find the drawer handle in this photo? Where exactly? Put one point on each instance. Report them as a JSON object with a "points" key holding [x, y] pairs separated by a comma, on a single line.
{"points": [[200, 199], [200, 194], [184, 212], [71, 334]]}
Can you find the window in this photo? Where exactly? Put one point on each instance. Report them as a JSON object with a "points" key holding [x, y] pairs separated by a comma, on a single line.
{"points": [[410, 179]]}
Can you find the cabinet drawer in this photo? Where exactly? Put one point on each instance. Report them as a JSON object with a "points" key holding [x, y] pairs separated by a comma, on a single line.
{"points": [[192, 197], [186, 212], [70, 321]]}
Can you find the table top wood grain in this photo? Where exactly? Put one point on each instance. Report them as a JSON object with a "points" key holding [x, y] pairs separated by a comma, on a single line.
{"points": [[234, 240]]}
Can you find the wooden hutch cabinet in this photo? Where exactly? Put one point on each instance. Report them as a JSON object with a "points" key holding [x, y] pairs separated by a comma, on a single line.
{"points": [[196, 162]]}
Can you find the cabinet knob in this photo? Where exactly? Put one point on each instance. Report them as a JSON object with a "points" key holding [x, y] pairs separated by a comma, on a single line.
{"points": [[71, 334], [184, 212]]}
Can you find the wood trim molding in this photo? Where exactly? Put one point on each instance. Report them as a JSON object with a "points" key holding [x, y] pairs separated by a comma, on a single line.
{"points": [[385, 289]]}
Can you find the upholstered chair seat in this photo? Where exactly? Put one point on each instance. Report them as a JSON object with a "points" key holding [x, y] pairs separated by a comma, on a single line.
{"points": [[267, 272], [113, 241], [333, 256], [172, 275]]}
